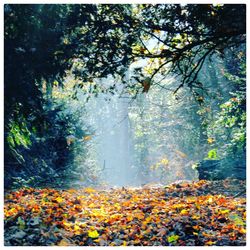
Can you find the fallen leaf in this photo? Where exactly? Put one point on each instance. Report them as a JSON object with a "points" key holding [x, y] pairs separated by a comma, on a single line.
{"points": [[93, 234]]}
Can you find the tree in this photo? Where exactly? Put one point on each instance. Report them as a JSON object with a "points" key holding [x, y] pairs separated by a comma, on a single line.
{"points": [[177, 39], [36, 129], [44, 43]]}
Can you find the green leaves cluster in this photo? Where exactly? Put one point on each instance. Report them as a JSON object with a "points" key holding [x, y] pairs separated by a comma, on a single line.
{"points": [[230, 122], [19, 135]]}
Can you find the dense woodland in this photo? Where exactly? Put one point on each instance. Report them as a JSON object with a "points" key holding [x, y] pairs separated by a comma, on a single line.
{"points": [[147, 101]]}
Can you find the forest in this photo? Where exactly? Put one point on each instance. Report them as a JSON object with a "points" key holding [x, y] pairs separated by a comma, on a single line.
{"points": [[124, 124]]}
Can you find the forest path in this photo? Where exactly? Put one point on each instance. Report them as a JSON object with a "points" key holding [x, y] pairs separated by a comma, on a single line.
{"points": [[185, 213]]}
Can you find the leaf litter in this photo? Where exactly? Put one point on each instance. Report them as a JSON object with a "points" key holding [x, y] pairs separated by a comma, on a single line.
{"points": [[201, 213]]}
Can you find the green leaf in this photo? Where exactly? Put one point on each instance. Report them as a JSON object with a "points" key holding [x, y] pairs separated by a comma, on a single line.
{"points": [[173, 238], [236, 219], [21, 223], [212, 154], [10, 141]]}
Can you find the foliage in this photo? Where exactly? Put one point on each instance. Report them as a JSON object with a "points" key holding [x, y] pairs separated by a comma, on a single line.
{"points": [[19, 134], [176, 215], [31, 37], [227, 126], [44, 43], [36, 128], [186, 35], [50, 158], [174, 38], [165, 128], [212, 154], [231, 120]]}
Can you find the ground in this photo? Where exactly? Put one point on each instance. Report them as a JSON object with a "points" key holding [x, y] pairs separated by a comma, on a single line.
{"points": [[186, 213]]}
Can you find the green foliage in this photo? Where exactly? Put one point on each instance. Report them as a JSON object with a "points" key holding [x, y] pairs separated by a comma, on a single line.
{"points": [[21, 223], [19, 182], [230, 122], [19, 135], [43, 43], [212, 154], [173, 238]]}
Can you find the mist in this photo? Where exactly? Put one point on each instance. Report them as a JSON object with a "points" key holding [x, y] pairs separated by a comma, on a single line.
{"points": [[135, 140]]}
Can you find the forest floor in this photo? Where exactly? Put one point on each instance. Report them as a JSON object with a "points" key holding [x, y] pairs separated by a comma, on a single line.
{"points": [[181, 214]]}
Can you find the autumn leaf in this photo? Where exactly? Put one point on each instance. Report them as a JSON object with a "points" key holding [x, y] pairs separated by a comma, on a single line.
{"points": [[87, 138], [59, 199], [242, 230], [210, 200], [157, 31], [195, 217], [210, 243], [11, 212], [89, 190], [64, 243], [184, 212], [93, 234], [210, 140], [131, 216], [224, 211]]}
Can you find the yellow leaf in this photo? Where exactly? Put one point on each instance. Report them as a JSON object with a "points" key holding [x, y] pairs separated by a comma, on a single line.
{"points": [[164, 161], [67, 224], [76, 228], [195, 217], [197, 206], [226, 211], [99, 212], [210, 243], [89, 190], [87, 138], [146, 221], [93, 234], [210, 140], [210, 200], [129, 218], [59, 199], [242, 230], [184, 212], [10, 212]]}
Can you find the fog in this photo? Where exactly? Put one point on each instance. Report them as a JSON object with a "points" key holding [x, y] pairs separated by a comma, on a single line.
{"points": [[132, 147]]}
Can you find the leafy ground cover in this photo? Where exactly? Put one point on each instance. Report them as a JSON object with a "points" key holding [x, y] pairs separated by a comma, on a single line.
{"points": [[197, 213]]}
